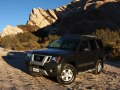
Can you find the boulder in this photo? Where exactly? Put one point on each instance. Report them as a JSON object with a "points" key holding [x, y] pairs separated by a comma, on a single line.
{"points": [[41, 18], [10, 30]]}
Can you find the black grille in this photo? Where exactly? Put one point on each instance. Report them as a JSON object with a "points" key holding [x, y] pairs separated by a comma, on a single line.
{"points": [[38, 58]]}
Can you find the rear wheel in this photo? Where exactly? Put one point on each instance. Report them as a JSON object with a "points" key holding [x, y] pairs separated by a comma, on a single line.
{"points": [[98, 67], [68, 74]]}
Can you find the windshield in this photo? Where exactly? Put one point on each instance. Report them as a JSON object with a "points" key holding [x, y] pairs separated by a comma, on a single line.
{"points": [[69, 44]]}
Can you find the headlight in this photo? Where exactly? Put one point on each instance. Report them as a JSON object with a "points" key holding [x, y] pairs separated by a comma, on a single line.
{"points": [[55, 59]]}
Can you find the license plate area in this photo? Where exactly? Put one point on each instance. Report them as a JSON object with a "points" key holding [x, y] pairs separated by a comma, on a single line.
{"points": [[36, 69]]}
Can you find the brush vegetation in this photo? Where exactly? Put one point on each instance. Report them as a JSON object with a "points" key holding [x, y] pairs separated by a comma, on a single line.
{"points": [[28, 41]]}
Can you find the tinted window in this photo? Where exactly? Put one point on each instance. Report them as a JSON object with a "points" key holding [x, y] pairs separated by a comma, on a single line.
{"points": [[93, 45], [56, 43], [84, 45], [100, 44], [70, 44]]}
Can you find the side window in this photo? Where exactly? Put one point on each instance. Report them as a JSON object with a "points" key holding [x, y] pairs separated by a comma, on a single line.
{"points": [[56, 43], [84, 46], [93, 45], [100, 44]]}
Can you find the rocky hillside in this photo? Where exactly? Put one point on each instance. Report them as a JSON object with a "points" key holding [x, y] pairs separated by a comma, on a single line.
{"points": [[96, 14], [79, 16], [41, 18], [50, 19], [10, 30]]}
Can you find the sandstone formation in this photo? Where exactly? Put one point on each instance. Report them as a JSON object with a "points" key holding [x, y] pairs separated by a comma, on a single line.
{"points": [[43, 18], [79, 16], [9, 30], [93, 15], [94, 4]]}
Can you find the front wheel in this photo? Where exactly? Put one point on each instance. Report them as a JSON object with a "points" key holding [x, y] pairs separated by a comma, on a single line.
{"points": [[68, 75], [98, 67]]}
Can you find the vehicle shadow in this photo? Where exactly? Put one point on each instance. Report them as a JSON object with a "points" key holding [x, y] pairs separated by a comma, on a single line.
{"points": [[113, 62], [17, 60]]}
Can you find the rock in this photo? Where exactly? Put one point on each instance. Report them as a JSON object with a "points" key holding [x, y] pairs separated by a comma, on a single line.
{"points": [[43, 18], [9, 30], [94, 15], [78, 16], [95, 3]]}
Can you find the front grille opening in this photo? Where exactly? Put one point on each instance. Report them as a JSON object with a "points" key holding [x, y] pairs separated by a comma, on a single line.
{"points": [[39, 67], [38, 58], [48, 60]]}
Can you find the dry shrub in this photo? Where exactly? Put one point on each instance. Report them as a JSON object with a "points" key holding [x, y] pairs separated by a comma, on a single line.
{"points": [[48, 40], [110, 38], [21, 41], [9, 42], [26, 41]]}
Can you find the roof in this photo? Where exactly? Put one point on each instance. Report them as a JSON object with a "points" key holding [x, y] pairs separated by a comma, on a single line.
{"points": [[78, 36]]}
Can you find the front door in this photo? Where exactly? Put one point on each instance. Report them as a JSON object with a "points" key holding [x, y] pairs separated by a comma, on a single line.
{"points": [[84, 56]]}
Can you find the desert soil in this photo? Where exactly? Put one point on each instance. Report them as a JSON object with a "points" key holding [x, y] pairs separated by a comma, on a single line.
{"points": [[14, 76]]}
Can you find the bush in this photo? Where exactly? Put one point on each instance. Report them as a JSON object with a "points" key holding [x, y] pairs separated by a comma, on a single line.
{"points": [[9, 42], [26, 41], [21, 41], [26, 37], [110, 38], [28, 28], [48, 40]]}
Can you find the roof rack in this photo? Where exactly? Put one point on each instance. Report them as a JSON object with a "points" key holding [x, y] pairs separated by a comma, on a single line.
{"points": [[72, 35], [79, 36], [89, 36]]}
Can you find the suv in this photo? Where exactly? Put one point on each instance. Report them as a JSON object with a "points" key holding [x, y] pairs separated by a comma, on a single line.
{"points": [[65, 57]]}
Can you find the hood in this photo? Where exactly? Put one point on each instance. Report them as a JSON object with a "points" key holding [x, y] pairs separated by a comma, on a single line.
{"points": [[51, 52]]}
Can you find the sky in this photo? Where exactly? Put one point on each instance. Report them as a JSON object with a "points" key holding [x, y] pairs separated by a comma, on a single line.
{"points": [[16, 12]]}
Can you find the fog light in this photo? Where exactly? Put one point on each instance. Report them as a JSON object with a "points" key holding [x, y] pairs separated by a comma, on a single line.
{"points": [[51, 70]]}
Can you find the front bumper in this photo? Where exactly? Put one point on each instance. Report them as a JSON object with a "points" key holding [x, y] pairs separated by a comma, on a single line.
{"points": [[53, 69], [49, 69]]}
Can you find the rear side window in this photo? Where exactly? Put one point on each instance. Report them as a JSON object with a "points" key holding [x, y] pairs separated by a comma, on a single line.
{"points": [[84, 45], [93, 45], [100, 44]]}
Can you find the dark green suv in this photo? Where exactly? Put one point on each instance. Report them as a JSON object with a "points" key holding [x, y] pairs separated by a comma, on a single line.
{"points": [[65, 57]]}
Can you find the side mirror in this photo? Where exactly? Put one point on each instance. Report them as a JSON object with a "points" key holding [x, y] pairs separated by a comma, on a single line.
{"points": [[86, 49]]}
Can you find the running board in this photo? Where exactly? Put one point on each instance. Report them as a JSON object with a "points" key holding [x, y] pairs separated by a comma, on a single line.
{"points": [[88, 71]]}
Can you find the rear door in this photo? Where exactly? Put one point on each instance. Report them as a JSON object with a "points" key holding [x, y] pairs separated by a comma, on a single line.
{"points": [[94, 51]]}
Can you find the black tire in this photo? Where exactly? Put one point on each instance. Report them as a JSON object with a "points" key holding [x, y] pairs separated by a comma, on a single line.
{"points": [[70, 75], [98, 67]]}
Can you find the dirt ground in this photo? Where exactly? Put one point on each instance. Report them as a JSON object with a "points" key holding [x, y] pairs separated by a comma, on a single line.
{"points": [[14, 76]]}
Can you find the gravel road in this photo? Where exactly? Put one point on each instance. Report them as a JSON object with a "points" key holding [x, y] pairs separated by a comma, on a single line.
{"points": [[14, 76]]}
